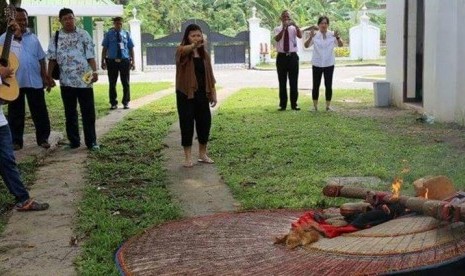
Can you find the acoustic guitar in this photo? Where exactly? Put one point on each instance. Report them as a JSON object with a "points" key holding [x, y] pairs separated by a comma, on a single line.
{"points": [[9, 89]]}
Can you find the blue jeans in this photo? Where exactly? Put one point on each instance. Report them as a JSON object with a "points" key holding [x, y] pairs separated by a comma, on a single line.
{"points": [[8, 168]]}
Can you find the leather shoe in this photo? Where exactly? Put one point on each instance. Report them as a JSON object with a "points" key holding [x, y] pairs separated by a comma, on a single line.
{"points": [[113, 107], [17, 147], [281, 109], [45, 145], [296, 108]]}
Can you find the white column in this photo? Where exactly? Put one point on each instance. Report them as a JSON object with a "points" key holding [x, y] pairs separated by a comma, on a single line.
{"points": [[395, 54], [441, 60], [43, 30], [460, 100], [136, 38], [254, 41], [98, 47]]}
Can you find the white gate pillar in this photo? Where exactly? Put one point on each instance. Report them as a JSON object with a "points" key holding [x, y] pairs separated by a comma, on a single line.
{"points": [[136, 38], [98, 44]]}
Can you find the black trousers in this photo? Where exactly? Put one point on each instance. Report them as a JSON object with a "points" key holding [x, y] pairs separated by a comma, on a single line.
{"points": [[317, 73], [122, 69], [192, 112], [287, 66], [39, 114], [85, 96]]}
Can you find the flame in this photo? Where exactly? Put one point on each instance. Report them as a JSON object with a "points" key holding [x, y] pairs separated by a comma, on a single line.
{"points": [[396, 187], [426, 193]]}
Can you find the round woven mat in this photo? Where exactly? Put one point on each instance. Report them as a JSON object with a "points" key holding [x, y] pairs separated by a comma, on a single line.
{"points": [[242, 244]]}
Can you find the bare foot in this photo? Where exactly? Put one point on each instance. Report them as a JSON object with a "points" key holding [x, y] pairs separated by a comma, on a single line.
{"points": [[188, 164]]}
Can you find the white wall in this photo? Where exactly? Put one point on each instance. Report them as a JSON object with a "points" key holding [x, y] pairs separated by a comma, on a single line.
{"points": [[444, 58], [395, 49], [364, 40], [259, 41], [441, 48], [460, 99], [305, 54]]}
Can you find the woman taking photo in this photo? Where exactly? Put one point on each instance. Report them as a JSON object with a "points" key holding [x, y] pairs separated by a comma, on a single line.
{"points": [[195, 93], [323, 59]]}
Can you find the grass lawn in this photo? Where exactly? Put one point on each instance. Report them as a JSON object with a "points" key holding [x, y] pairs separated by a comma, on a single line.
{"points": [[273, 159], [126, 191]]}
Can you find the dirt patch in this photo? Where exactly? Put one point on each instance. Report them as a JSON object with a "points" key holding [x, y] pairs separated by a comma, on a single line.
{"points": [[413, 124]]}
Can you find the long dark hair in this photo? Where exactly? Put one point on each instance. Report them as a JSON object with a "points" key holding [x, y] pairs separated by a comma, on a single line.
{"points": [[185, 38], [321, 18]]}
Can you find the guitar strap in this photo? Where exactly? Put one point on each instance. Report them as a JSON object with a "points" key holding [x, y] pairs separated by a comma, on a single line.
{"points": [[56, 43]]}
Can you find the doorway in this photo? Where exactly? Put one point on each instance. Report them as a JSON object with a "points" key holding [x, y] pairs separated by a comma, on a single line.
{"points": [[414, 28]]}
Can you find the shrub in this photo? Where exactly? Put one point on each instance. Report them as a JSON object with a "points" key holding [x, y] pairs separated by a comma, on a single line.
{"points": [[273, 52], [383, 51], [342, 51]]}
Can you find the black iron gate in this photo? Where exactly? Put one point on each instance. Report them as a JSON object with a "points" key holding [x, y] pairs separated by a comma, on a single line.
{"points": [[223, 49]]}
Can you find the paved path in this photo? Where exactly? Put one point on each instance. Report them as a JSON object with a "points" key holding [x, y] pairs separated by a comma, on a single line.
{"points": [[238, 78], [38, 243]]}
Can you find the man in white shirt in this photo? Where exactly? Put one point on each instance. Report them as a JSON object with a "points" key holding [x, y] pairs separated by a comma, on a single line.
{"points": [[287, 61]]}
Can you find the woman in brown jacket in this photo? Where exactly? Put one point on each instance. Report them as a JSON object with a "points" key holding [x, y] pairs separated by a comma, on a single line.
{"points": [[195, 90]]}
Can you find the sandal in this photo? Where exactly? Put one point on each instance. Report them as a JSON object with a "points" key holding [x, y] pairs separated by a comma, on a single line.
{"points": [[31, 205], [206, 160]]}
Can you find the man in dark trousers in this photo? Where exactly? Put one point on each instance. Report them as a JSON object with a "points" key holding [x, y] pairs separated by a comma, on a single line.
{"points": [[118, 58], [287, 61], [31, 77]]}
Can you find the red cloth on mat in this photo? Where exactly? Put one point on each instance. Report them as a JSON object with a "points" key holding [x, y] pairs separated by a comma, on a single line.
{"points": [[308, 220]]}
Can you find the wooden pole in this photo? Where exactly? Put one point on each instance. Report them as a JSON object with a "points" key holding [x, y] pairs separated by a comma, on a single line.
{"points": [[452, 209]]}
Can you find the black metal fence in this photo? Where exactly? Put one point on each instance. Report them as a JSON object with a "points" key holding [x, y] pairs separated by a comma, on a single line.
{"points": [[223, 49]]}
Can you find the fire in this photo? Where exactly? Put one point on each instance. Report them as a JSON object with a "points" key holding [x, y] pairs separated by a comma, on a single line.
{"points": [[426, 193], [396, 187]]}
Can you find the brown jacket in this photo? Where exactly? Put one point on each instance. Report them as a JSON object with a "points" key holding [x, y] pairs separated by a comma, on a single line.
{"points": [[186, 81]]}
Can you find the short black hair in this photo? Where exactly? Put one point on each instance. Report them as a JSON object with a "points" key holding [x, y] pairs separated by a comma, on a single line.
{"points": [[18, 9], [65, 11], [117, 19]]}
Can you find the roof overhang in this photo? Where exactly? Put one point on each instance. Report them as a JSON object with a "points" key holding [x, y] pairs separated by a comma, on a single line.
{"points": [[95, 8]]}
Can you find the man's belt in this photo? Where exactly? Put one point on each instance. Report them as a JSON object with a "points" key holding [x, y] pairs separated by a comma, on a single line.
{"points": [[287, 54], [117, 60]]}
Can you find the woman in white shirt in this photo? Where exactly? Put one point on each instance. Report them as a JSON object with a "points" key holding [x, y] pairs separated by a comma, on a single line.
{"points": [[323, 59]]}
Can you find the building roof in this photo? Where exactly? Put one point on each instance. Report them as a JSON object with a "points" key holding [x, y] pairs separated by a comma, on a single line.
{"points": [[79, 7]]}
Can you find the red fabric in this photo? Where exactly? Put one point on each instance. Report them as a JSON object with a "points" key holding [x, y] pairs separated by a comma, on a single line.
{"points": [[286, 40], [308, 220]]}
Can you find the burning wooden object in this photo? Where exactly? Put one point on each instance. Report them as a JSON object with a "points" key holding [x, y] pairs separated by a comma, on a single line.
{"points": [[434, 187], [450, 209]]}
